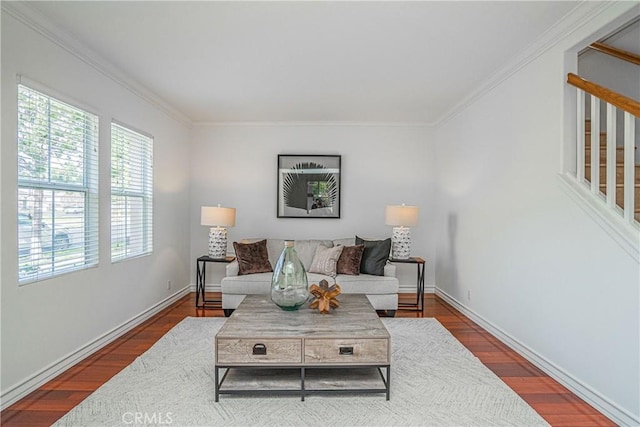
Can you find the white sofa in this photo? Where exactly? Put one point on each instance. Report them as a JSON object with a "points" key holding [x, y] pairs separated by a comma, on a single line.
{"points": [[382, 291]]}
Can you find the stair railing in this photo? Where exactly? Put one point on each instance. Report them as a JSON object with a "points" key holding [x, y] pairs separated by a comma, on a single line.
{"points": [[631, 110], [615, 52]]}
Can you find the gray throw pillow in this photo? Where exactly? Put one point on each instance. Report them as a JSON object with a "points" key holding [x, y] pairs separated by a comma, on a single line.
{"points": [[325, 260], [375, 255]]}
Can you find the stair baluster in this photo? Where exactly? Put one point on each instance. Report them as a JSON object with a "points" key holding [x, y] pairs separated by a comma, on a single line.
{"points": [[611, 156], [595, 142], [630, 179]]}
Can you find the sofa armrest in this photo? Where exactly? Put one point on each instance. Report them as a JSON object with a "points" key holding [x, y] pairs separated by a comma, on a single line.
{"points": [[390, 270], [232, 268]]}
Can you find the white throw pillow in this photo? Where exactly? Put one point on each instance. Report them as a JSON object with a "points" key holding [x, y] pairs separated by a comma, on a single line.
{"points": [[325, 260]]}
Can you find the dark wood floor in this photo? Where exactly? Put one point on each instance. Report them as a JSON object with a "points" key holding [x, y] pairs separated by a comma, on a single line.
{"points": [[552, 401]]}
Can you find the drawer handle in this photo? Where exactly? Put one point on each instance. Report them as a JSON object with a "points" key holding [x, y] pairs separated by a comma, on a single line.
{"points": [[346, 351], [259, 350]]}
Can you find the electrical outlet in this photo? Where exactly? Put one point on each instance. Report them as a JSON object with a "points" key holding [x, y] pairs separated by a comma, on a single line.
{"points": [[168, 284], [469, 294]]}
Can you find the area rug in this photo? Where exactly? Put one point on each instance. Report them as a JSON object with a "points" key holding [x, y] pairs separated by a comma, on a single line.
{"points": [[435, 381]]}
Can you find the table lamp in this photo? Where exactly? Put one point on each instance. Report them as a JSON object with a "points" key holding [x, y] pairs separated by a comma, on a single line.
{"points": [[217, 218], [401, 218]]}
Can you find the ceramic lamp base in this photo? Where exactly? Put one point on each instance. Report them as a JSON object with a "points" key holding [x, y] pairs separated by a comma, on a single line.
{"points": [[401, 243], [217, 242]]}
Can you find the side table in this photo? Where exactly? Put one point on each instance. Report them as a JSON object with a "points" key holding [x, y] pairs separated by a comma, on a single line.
{"points": [[419, 304], [201, 273]]}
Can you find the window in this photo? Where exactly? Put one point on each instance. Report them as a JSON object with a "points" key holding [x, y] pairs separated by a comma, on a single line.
{"points": [[57, 187], [131, 193]]}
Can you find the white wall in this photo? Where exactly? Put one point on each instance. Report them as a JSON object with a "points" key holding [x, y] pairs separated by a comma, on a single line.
{"points": [[537, 268], [236, 166], [44, 322]]}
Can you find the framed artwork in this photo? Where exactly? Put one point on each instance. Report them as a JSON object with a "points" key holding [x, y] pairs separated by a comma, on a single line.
{"points": [[308, 186]]}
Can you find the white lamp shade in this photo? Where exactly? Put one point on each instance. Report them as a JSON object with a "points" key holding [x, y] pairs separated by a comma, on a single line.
{"points": [[401, 215], [217, 216]]}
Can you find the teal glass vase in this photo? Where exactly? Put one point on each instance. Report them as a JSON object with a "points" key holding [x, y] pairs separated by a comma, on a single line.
{"points": [[289, 286]]}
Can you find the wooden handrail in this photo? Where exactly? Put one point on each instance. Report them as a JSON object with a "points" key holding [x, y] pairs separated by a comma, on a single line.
{"points": [[618, 53], [622, 102]]}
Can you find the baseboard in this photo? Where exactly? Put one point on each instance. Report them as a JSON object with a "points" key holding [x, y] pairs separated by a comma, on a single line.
{"points": [[32, 383], [618, 415], [428, 289], [209, 287]]}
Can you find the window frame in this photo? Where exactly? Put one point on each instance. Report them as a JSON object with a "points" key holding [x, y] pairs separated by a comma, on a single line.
{"points": [[145, 142], [88, 227]]}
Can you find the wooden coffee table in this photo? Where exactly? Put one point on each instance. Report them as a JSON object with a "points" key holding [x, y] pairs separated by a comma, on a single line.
{"points": [[260, 335]]}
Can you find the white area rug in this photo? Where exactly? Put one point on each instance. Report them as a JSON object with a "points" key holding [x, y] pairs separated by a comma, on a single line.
{"points": [[435, 381]]}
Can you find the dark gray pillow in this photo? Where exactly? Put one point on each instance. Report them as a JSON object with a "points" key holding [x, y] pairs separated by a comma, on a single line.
{"points": [[375, 255]]}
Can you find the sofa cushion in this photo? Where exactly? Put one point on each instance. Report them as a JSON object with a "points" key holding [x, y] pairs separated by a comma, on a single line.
{"points": [[348, 241], [316, 278], [306, 250], [367, 284], [258, 283], [274, 248], [325, 260], [350, 260], [375, 255], [252, 257]]}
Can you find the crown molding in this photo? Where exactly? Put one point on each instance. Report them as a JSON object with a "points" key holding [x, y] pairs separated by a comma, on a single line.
{"points": [[579, 16], [312, 123], [33, 19]]}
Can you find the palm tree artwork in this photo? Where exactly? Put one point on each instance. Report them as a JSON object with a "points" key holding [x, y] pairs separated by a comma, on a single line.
{"points": [[309, 186]]}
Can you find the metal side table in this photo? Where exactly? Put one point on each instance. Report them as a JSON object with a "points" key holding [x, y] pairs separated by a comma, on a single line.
{"points": [[201, 273], [419, 304]]}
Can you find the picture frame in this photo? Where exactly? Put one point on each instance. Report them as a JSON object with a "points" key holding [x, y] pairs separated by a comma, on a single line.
{"points": [[309, 186]]}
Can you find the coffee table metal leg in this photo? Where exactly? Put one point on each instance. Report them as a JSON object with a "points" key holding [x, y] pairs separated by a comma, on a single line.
{"points": [[217, 386], [388, 381], [302, 373]]}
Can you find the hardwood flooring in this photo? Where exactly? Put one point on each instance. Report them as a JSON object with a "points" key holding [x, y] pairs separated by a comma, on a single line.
{"points": [[552, 401]]}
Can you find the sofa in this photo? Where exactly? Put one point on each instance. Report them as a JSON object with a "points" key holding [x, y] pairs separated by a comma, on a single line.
{"points": [[248, 276]]}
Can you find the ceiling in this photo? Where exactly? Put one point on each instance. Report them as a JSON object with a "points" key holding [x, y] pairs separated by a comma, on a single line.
{"points": [[399, 62]]}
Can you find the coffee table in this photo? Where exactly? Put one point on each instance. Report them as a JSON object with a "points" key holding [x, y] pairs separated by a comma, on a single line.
{"points": [[259, 335]]}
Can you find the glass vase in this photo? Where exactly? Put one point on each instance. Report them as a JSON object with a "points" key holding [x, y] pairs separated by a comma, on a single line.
{"points": [[289, 286]]}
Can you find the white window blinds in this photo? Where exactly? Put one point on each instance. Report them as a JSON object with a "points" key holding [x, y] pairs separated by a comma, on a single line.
{"points": [[131, 193], [57, 187]]}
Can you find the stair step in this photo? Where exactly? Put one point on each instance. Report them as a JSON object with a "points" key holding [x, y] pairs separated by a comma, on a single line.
{"points": [[619, 173], [619, 169], [603, 154], [620, 196], [603, 144], [587, 139]]}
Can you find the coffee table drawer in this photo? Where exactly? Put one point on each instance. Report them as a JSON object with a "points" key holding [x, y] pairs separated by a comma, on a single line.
{"points": [[375, 351], [247, 351]]}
